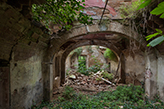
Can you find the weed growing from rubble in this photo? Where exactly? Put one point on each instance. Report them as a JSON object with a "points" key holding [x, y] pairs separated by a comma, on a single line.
{"points": [[126, 97], [107, 75], [68, 92]]}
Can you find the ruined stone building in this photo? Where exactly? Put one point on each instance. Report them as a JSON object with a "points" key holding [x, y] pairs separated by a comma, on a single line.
{"points": [[30, 58], [93, 55]]}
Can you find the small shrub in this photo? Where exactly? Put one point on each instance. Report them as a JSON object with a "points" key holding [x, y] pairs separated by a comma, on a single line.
{"points": [[110, 55], [68, 92], [107, 75], [98, 79]]}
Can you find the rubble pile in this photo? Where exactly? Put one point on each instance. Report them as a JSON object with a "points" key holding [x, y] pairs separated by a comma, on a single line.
{"points": [[87, 84]]}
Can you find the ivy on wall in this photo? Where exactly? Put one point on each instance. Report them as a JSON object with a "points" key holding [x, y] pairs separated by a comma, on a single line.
{"points": [[61, 13]]}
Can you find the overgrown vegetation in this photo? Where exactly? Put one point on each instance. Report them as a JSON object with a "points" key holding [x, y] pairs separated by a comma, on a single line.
{"points": [[87, 71], [126, 97], [130, 11], [110, 55], [61, 13], [159, 10], [133, 11], [77, 50], [107, 75]]}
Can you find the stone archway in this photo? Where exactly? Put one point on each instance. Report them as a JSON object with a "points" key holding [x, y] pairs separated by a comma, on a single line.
{"points": [[86, 35], [84, 43]]}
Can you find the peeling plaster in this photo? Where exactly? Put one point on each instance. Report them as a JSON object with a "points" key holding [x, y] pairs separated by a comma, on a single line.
{"points": [[100, 4]]}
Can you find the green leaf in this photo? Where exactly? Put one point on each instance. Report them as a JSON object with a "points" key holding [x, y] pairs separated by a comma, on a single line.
{"points": [[158, 10], [162, 16], [159, 31], [151, 36], [156, 41], [144, 4]]}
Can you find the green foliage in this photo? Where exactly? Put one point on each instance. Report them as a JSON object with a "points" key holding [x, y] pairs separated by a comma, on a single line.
{"points": [[43, 104], [157, 11], [78, 51], [144, 3], [110, 55], [60, 12], [107, 75], [68, 92], [87, 71], [156, 41], [159, 32], [130, 97], [89, 49], [82, 66], [130, 11], [95, 68]]}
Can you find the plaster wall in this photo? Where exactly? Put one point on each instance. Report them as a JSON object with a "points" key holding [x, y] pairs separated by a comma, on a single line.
{"points": [[26, 82], [135, 68], [113, 66], [151, 73], [160, 76]]}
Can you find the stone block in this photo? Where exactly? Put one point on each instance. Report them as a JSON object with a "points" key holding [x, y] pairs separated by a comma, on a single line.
{"points": [[43, 39], [1, 12], [10, 12], [11, 22], [19, 27], [28, 33], [42, 45], [37, 30], [78, 31], [35, 36], [26, 41], [4, 6], [92, 28], [23, 52], [25, 23], [3, 19]]}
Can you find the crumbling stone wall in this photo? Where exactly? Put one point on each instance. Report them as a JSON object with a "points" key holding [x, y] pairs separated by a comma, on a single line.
{"points": [[93, 57], [134, 67], [33, 57], [154, 74], [23, 46], [160, 76], [27, 81]]}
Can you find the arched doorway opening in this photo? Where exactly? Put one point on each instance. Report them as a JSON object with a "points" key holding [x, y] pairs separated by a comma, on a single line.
{"points": [[116, 37], [62, 55], [91, 59]]}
